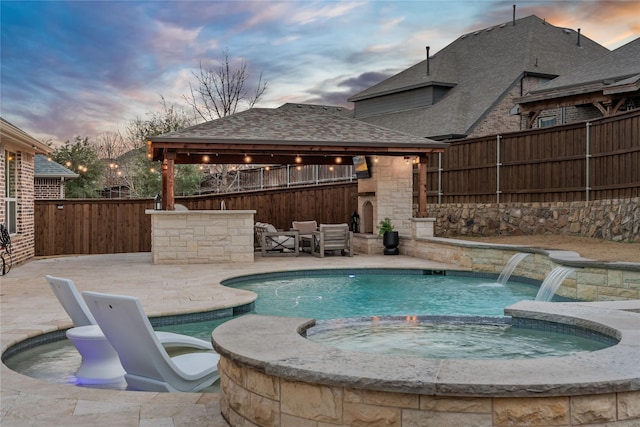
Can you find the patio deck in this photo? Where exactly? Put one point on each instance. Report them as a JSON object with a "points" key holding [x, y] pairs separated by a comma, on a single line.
{"points": [[28, 308]]}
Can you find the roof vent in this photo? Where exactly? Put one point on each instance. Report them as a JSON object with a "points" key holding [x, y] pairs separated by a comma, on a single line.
{"points": [[566, 31], [476, 33], [503, 25], [578, 43], [489, 29], [428, 70]]}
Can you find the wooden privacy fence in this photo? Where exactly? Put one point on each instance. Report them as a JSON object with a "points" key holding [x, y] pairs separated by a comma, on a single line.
{"points": [[104, 226], [577, 162]]}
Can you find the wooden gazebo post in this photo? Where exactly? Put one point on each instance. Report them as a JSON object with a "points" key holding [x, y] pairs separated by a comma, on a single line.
{"points": [[168, 195], [422, 188]]}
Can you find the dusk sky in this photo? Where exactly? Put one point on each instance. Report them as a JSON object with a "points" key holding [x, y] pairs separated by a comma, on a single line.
{"points": [[89, 67]]}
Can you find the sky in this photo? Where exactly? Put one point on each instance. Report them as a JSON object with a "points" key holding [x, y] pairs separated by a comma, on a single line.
{"points": [[85, 68]]}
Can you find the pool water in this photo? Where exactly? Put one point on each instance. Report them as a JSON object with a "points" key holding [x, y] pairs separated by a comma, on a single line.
{"points": [[357, 294], [446, 339]]}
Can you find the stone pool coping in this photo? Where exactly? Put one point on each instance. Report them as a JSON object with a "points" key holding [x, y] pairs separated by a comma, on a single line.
{"points": [[275, 346]]}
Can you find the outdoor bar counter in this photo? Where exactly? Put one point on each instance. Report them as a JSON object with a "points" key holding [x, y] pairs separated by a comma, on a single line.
{"points": [[201, 236]]}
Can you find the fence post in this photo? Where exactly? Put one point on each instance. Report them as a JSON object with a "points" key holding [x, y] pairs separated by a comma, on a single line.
{"points": [[587, 159], [288, 176], [498, 164], [439, 178]]}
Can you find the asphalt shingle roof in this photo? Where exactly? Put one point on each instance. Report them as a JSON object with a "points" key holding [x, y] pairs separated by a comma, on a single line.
{"points": [[617, 67], [482, 66], [295, 124], [45, 168]]}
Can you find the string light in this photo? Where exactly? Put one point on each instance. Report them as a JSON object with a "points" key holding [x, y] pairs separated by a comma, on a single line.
{"points": [[338, 160], [205, 158], [298, 159]]}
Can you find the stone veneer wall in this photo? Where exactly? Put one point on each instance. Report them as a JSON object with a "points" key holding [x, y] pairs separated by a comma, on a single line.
{"points": [[253, 398], [390, 191], [616, 219], [200, 237]]}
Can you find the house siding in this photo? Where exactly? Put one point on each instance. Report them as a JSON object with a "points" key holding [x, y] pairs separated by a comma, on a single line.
{"points": [[405, 100]]}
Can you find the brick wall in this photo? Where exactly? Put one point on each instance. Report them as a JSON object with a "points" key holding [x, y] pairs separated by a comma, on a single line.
{"points": [[499, 119], [48, 188], [22, 242]]}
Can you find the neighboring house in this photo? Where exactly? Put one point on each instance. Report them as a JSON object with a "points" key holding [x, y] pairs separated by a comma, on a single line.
{"points": [[50, 178], [600, 88], [17, 151], [468, 88]]}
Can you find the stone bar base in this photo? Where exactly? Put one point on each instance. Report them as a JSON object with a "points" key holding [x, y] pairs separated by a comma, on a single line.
{"points": [[201, 237]]}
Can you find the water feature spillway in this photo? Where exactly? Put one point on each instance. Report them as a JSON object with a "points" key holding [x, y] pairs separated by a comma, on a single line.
{"points": [[552, 282], [510, 266]]}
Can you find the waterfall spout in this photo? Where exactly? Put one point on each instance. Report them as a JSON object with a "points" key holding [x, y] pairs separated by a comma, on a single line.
{"points": [[510, 266], [552, 282]]}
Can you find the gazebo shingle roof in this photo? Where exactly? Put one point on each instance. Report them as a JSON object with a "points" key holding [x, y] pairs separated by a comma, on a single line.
{"points": [[292, 129]]}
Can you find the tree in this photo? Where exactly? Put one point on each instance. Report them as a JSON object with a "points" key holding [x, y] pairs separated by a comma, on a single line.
{"points": [[219, 92], [143, 177], [81, 157]]}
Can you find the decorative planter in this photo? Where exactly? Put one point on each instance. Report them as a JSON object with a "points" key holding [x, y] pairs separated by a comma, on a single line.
{"points": [[391, 240]]}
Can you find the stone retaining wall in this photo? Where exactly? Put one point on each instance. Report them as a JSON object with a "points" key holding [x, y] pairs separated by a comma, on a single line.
{"points": [[252, 398], [616, 219], [592, 280]]}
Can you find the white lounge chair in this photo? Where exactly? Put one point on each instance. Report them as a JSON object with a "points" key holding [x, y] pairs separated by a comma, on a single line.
{"points": [[147, 364], [68, 295]]}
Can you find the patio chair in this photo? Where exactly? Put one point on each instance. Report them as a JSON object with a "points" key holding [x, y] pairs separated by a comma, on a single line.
{"points": [[332, 237], [147, 364], [67, 293], [276, 242], [305, 230]]}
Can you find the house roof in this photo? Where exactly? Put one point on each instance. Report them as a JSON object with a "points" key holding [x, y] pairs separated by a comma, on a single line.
{"points": [[13, 135], [44, 167], [613, 72], [480, 68], [314, 134]]}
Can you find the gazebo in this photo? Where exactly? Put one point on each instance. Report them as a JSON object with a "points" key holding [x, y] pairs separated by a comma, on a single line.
{"points": [[295, 134], [290, 134]]}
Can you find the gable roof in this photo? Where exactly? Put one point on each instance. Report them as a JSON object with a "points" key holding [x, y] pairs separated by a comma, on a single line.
{"points": [[13, 135], [481, 67], [43, 167], [610, 73], [317, 134]]}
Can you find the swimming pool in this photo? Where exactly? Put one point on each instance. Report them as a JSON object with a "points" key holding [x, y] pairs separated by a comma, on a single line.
{"points": [[330, 294], [325, 294]]}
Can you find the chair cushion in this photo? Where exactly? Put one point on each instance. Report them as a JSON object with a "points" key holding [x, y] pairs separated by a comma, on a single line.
{"points": [[270, 228], [305, 227]]}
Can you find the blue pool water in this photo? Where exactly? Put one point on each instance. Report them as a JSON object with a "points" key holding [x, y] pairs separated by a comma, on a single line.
{"points": [[358, 293]]}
